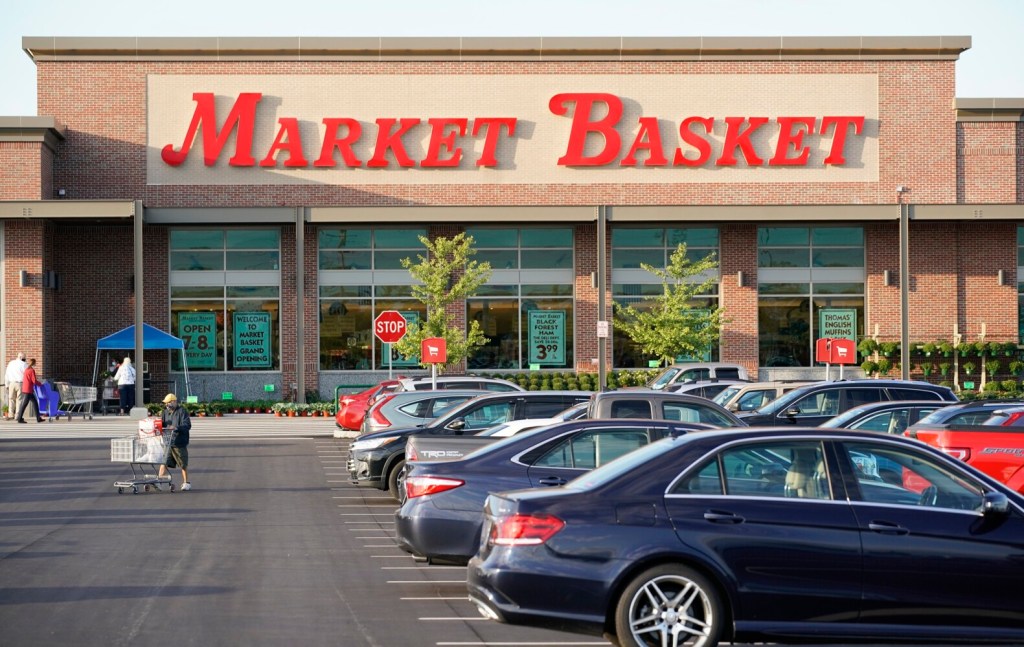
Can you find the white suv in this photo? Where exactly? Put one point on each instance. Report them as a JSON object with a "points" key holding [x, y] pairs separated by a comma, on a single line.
{"points": [[696, 372]]}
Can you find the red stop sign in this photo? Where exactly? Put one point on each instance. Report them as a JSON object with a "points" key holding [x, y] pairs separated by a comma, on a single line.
{"points": [[389, 326]]}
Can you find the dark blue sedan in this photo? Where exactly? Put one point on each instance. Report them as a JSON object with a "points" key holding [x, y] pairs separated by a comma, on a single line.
{"points": [[440, 519], [761, 535]]}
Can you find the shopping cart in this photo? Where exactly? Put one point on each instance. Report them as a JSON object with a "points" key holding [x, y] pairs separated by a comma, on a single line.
{"points": [[140, 452], [76, 400]]}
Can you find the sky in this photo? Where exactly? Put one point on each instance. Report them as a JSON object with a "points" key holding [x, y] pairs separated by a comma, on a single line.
{"points": [[993, 67]]}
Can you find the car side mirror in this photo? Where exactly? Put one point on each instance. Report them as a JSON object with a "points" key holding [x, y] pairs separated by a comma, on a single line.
{"points": [[792, 412], [456, 425], [995, 503], [734, 406]]}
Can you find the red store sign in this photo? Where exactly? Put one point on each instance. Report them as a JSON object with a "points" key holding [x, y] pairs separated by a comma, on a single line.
{"points": [[594, 117]]}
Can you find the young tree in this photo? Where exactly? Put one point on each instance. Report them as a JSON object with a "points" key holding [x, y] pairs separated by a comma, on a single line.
{"points": [[674, 326], [446, 276]]}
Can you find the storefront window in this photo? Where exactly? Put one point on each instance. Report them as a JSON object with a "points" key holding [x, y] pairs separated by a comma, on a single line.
{"points": [[1020, 286], [806, 273], [225, 298], [526, 309], [632, 285], [350, 262]]}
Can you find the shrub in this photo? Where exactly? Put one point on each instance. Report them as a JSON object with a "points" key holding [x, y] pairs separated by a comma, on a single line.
{"points": [[868, 367], [867, 346], [1010, 386]]}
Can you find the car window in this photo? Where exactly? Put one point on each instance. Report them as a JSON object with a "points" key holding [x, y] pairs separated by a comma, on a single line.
{"points": [[890, 474], [820, 403], [415, 409], [685, 412], [858, 396], [753, 400], [663, 379], [630, 409], [765, 468], [725, 373], [913, 394], [488, 415], [726, 394], [593, 448], [694, 374], [495, 386], [544, 408], [970, 417], [443, 405]]}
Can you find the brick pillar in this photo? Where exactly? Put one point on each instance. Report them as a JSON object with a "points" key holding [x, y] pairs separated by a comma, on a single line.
{"points": [[586, 314], [25, 329], [739, 254]]}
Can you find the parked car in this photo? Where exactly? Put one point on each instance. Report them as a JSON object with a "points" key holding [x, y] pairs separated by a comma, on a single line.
{"points": [[352, 406], [995, 446], [377, 459], [756, 535], [442, 514], [412, 408], [704, 388], [660, 405], [471, 382], [683, 372], [815, 403], [750, 396], [957, 415], [888, 417]]}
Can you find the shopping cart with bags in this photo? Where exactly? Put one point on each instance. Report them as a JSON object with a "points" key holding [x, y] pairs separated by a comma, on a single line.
{"points": [[144, 452]]}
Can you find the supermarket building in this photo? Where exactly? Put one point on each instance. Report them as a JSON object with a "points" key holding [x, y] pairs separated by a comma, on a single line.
{"points": [[266, 190]]}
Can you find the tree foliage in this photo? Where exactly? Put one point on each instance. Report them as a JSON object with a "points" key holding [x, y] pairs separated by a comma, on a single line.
{"points": [[674, 325], [446, 276]]}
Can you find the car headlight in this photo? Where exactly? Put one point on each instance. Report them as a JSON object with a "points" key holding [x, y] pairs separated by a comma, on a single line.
{"points": [[373, 443]]}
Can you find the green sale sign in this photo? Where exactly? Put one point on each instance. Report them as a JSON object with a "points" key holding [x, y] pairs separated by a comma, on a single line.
{"points": [[252, 339], [199, 332]]}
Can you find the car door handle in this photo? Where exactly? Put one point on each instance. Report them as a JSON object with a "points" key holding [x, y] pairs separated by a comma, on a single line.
{"points": [[552, 480], [722, 517], [887, 528]]}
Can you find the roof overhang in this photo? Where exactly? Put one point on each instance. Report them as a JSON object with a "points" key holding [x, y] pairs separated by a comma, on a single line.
{"points": [[44, 130]]}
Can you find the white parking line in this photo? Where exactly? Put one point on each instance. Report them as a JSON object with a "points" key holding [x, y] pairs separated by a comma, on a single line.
{"points": [[518, 643], [458, 619], [464, 598], [418, 568], [379, 546], [366, 514], [366, 505], [377, 523]]}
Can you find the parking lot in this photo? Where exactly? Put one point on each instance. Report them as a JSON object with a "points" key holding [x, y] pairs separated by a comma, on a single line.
{"points": [[273, 546]]}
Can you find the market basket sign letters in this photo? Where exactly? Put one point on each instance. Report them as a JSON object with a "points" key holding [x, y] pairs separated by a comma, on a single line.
{"points": [[252, 339], [199, 332]]}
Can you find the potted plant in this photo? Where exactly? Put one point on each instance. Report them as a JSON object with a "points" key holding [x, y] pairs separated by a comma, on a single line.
{"points": [[867, 346], [1016, 366], [944, 368], [928, 348], [965, 348], [945, 347], [884, 366], [279, 408], [868, 367], [980, 348], [927, 368], [993, 366], [888, 348], [1010, 348], [969, 367]]}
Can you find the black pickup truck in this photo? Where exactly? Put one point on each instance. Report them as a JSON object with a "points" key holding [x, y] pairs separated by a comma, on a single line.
{"points": [[377, 459], [660, 405]]}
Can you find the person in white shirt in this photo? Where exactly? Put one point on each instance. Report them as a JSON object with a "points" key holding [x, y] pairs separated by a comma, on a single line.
{"points": [[12, 379], [125, 378]]}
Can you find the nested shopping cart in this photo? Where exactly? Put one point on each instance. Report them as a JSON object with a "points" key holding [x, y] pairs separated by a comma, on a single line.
{"points": [[142, 452], [76, 400]]}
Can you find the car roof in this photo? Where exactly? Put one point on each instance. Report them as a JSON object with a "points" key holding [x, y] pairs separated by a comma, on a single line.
{"points": [[399, 396]]}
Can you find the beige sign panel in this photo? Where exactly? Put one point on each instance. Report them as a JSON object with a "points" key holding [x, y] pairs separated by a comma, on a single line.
{"points": [[529, 156]]}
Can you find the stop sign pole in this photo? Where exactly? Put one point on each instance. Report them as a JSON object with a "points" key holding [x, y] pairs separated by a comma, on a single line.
{"points": [[389, 327]]}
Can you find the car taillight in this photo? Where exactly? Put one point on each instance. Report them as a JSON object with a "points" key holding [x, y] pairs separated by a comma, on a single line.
{"points": [[524, 529], [960, 453], [423, 485], [377, 416]]}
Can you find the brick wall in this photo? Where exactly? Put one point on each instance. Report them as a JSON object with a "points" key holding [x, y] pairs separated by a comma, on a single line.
{"points": [[26, 170], [987, 157]]}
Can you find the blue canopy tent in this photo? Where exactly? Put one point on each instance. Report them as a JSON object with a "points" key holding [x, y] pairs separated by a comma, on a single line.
{"points": [[152, 339]]}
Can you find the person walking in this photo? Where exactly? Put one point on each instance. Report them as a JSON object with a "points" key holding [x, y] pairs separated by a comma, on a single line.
{"points": [[175, 418], [125, 378], [28, 392], [12, 380]]}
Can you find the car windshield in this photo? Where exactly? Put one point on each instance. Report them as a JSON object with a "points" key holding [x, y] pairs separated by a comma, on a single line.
{"points": [[842, 419], [782, 402], [938, 416], [666, 376], [726, 394]]}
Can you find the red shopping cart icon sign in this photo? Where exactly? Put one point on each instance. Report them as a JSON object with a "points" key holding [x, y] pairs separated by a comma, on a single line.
{"points": [[434, 350], [835, 351]]}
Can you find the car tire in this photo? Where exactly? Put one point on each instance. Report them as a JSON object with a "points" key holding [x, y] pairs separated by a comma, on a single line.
{"points": [[669, 604], [395, 482]]}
